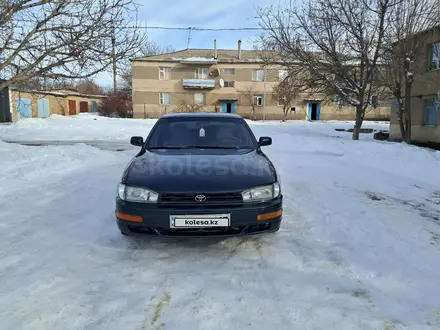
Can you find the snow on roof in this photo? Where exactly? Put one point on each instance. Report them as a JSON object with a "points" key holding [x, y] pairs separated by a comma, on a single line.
{"points": [[199, 59]]}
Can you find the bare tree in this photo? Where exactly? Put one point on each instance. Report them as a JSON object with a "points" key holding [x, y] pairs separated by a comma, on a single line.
{"points": [[185, 106], [150, 48], [249, 96], [186, 102], [404, 45], [331, 46], [64, 39], [89, 86], [33, 83], [285, 93]]}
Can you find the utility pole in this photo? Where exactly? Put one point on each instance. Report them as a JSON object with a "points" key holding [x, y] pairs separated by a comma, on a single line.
{"points": [[115, 87], [264, 95]]}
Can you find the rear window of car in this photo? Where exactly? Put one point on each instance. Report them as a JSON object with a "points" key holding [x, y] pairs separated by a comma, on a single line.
{"points": [[203, 132]]}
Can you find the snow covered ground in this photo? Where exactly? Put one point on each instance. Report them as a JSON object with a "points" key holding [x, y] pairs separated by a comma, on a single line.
{"points": [[359, 246]]}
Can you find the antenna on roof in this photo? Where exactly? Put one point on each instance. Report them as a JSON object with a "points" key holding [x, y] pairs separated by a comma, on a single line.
{"points": [[189, 37]]}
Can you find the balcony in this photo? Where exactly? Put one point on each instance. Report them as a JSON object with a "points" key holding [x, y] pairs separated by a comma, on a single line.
{"points": [[198, 83]]}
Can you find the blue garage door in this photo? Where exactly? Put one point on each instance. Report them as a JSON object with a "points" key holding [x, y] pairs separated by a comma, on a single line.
{"points": [[24, 107], [43, 108], [93, 106]]}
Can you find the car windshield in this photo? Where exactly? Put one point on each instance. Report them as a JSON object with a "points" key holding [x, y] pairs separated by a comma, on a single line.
{"points": [[213, 133]]}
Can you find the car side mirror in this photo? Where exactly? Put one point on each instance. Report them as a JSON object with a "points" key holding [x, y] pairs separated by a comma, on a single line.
{"points": [[137, 141], [265, 141]]}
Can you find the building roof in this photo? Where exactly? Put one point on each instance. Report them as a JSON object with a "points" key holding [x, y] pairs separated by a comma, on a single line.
{"points": [[56, 92], [200, 115], [435, 30], [205, 55]]}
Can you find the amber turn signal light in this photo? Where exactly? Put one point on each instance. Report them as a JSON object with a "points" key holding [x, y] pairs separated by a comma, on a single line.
{"points": [[128, 217], [268, 216]]}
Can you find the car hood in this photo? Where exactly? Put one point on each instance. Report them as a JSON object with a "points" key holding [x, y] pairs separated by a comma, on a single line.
{"points": [[201, 172]]}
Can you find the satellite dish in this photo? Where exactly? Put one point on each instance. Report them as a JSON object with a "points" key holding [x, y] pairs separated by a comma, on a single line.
{"points": [[221, 82]]}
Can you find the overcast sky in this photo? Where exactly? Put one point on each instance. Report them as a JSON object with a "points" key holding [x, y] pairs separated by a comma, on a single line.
{"points": [[200, 14]]}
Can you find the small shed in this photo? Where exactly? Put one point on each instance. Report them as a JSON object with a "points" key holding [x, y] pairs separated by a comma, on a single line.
{"points": [[42, 104]]}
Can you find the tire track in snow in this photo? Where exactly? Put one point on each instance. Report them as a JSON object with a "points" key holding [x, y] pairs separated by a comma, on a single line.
{"points": [[434, 319], [271, 291], [293, 229], [340, 267], [163, 299]]}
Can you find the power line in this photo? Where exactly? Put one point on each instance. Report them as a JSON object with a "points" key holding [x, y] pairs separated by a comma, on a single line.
{"points": [[168, 27], [195, 28]]}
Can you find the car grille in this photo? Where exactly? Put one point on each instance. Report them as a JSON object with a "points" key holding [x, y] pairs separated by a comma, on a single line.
{"points": [[230, 231], [224, 198]]}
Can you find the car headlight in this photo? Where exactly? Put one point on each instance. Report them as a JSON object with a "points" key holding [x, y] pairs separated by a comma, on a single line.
{"points": [[135, 194], [262, 193]]}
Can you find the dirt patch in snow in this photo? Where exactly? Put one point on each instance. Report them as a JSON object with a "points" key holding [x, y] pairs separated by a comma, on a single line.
{"points": [[426, 209], [350, 130], [373, 196], [361, 294]]}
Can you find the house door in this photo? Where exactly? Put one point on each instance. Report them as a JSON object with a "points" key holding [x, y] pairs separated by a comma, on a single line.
{"points": [[93, 106], [232, 107], [314, 111], [83, 107], [228, 107], [72, 107], [43, 108], [24, 107]]}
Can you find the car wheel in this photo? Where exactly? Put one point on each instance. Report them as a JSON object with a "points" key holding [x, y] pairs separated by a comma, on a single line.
{"points": [[125, 234]]}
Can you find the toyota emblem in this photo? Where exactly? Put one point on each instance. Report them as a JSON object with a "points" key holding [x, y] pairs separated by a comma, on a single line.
{"points": [[200, 198]]}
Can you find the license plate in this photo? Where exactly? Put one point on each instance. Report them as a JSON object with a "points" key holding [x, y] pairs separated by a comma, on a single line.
{"points": [[200, 220]]}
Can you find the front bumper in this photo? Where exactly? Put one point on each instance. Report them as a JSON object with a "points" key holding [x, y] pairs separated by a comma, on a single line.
{"points": [[156, 219]]}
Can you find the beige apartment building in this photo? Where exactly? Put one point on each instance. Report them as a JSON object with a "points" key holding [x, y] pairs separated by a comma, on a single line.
{"points": [[224, 80], [425, 98]]}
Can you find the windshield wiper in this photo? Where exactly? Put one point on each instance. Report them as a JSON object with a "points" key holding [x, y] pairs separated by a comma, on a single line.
{"points": [[211, 147], [194, 147], [165, 147]]}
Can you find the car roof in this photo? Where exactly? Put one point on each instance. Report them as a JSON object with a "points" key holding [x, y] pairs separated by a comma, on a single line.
{"points": [[200, 115]]}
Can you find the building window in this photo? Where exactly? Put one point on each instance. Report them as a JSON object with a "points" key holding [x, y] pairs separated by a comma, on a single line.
{"points": [[258, 100], [199, 98], [340, 101], [164, 73], [281, 101], [282, 74], [229, 71], [431, 112], [374, 101], [229, 83], [434, 56], [202, 73], [164, 99], [258, 75]]}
